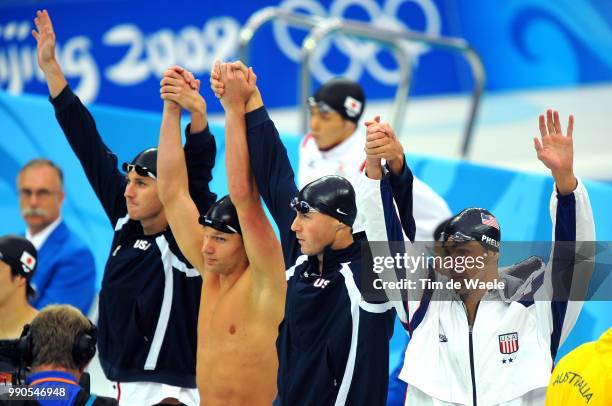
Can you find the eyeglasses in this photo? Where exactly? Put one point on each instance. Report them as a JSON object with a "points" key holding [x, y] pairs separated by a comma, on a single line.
{"points": [[321, 106], [39, 193], [301, 206], [140, 170], [217, 225]]}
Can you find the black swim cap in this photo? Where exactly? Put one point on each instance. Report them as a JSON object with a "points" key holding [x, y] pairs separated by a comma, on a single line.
{"points": [[474, 224], [341, 95], [331, 195], [222, 217], [21, 255], [144, 164]]}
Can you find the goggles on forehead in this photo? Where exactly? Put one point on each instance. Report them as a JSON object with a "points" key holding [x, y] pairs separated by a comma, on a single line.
{"points": [[140, 170], [217, 225], [301, 206], [457, 236], [321, 106]]}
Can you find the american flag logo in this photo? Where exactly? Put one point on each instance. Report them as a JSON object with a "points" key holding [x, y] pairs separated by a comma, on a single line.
{"points": [[508, 343], [352, 106], [489, 220]]}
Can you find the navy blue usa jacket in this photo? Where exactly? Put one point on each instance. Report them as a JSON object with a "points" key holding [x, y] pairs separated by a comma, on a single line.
{"points": [[148, 312], [333, 346]]}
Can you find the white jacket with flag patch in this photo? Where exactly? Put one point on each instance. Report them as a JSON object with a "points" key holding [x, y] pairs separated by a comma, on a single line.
{"points": [[506, 357]]}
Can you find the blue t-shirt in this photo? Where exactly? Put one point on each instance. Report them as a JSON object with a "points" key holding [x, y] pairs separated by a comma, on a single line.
{"points": [[55, 388]]}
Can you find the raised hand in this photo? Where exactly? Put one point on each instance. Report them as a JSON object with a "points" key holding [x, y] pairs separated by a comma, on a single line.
{"points": [[181, 87], [381, 143], [373, 167], [556, 150], [216, 84], [45, 51], [375, 120], [188, 76], [45, 40], [239, 85], [218, 87]]}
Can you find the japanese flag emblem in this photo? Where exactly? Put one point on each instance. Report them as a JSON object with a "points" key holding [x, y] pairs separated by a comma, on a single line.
{"points": [[352, 106], [28, 261]]}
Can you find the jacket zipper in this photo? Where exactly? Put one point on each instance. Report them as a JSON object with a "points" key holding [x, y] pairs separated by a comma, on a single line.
{"points": [[472, 370], [474, 402]]}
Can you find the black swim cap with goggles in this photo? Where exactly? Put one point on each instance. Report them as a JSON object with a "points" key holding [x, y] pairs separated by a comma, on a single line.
{"points": [[474, 224], [144, 164], [222, 216], [331, 195]]}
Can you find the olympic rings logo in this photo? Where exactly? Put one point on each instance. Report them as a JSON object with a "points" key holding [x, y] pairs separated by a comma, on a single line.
{"points": [[362, 55]]}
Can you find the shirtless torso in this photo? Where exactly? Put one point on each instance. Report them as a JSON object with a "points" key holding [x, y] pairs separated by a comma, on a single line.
{"points": [[237, 330], [236, 251]]}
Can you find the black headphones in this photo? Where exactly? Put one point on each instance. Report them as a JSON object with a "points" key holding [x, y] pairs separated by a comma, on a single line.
{"points": [[83, 348]]}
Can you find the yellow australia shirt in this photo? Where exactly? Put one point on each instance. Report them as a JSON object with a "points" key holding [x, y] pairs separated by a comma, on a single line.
{"points": [[584, 376]]}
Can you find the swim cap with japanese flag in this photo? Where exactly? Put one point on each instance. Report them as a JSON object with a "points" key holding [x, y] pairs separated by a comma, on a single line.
{"points": [[341, 95], [20, 255]]}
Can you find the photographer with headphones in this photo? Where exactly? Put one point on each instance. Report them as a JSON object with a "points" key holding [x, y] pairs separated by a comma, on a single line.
{"points": [[58, 346]]}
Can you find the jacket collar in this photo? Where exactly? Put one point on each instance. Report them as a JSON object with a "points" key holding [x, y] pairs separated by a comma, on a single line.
{"points": [[333, 258], [50, 375], [41, 238]]}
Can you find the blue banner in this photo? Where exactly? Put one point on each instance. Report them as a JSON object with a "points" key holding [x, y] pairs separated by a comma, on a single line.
{"points": [[114, 51]]}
